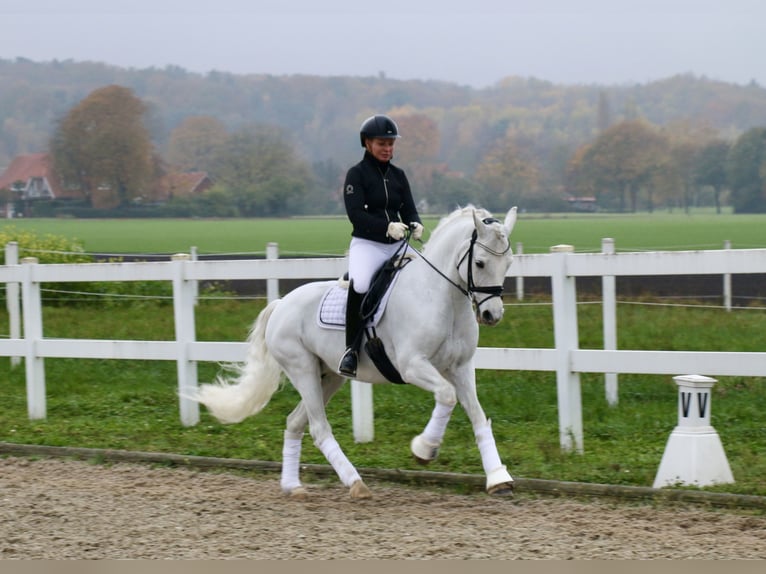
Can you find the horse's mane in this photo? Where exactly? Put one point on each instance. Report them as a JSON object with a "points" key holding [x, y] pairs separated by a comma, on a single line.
{"points": [[460, 213]]}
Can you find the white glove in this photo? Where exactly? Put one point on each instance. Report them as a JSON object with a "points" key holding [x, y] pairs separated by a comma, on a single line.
{"points": [[396, 230], [417, 230]]}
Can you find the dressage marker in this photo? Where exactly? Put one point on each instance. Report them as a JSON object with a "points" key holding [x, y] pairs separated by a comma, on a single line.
{"points": [[694, 454]]}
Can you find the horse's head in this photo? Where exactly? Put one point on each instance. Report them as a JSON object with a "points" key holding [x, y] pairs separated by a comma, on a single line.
{"points": [[485, 262]]}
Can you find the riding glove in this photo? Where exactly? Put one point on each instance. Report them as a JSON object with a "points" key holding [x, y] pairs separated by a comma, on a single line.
{"points": [[417, 230], [396, 230]]}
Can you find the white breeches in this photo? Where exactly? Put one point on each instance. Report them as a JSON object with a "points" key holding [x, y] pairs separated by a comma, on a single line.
{"points": [[365, 257]]}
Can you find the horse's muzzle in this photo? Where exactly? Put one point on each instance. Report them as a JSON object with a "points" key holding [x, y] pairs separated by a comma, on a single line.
{"points": [[487, 317]]}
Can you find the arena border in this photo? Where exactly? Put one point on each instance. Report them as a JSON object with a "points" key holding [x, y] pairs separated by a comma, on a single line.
{"points": [[473, 482]]}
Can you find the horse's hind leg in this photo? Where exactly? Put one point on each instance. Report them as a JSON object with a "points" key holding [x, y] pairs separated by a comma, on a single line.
{"points": [[290, 481], [323, 438], [425, 446]]}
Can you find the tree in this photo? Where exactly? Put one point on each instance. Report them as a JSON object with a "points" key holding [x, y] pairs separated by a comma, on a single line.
{"points": [[710, 168], [604, 112], [420, 140], [746, 172], [450, 191], [262, 172], [622, 160], [506, 174], [103, 148], [418, 148], [677, 177], [194, 143]]}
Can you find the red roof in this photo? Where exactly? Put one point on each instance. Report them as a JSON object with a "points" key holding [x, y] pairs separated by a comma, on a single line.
{"points": [[25, 167], [38, 165], [183, 184]]}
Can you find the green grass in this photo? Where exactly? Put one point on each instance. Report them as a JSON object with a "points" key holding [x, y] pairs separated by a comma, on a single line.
{"points": [[133, 405], [330, 236]]}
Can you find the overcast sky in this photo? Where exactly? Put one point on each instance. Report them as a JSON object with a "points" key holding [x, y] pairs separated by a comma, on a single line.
{"points": [[470, 42]]}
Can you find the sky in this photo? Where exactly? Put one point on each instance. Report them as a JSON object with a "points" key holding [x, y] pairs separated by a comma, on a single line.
{"points": [[468, 42]]}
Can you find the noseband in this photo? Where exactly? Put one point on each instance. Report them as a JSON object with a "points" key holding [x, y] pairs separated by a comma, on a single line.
{"points": [[490, 291]]}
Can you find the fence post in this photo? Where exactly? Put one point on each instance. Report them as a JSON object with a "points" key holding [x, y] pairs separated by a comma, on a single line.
{"points": [[519, 278], [566, 340], [694, 454], [33, 332], [12, 298], [272, 285], [727, 282], [362, 416], [183, 309], [195, 283], [609, 314]]}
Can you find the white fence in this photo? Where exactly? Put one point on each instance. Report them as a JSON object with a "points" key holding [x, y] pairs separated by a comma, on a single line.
{"points": [[566, 359]]}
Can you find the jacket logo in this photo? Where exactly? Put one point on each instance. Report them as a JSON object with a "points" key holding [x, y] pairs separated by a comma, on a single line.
{"points": [[349, 189]]}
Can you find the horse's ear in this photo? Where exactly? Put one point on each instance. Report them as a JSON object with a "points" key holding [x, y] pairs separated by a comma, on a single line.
{"points": [[477, 222], [510, 220]]}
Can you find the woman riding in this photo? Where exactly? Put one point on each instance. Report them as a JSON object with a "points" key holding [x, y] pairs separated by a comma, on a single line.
{"points": [[381, 209]]}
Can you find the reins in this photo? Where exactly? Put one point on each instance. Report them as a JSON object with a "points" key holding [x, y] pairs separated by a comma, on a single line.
{"points": [[490, 291]]}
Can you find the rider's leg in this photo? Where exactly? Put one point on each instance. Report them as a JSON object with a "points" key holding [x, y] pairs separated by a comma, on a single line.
{"points": [[354, 332]]}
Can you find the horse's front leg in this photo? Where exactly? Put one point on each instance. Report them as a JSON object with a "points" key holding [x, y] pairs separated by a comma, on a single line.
{"points": [[425, 446], [499, 481], [422, 374]]}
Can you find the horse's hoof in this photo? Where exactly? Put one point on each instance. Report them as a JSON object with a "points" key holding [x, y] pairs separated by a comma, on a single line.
{"points": [[360, 491], [298, 493], [423, 451], [422, 461], [502, 489]]}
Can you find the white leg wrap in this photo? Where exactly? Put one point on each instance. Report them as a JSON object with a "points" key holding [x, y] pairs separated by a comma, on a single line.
{"points": [[426, 445], [437, 425], [343, 467], [291, 460], [490, 459]]}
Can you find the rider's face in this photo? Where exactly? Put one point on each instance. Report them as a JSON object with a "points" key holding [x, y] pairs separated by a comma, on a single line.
{"points": [[382, 149]]}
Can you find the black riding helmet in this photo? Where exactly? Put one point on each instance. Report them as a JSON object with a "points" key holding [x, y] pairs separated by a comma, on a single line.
{"points": [[378, 127]]}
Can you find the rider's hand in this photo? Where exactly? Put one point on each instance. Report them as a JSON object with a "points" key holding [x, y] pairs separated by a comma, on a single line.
{"points": [[417, 230], [396, 230]]}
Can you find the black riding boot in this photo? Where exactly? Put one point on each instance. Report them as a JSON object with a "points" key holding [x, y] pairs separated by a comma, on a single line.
{"points": [[354, 332]]}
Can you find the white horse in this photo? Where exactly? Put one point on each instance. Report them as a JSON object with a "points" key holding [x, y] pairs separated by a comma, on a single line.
{"points": [[430, 334]]}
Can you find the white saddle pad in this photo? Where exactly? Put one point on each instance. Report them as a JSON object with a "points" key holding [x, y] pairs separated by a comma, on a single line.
{"points": [[332, 308]]}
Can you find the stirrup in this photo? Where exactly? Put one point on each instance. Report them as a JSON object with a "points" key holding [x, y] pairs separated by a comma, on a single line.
{"points": [[348, 362]]}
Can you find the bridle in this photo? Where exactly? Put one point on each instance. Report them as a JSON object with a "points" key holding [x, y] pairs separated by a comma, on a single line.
{"points": [[490, 290]]}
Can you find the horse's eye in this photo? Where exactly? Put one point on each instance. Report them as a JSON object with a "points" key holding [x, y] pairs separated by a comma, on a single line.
{"points": [[480, 264]]}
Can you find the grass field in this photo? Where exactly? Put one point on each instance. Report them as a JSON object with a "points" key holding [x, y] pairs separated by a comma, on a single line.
{"points": [[330, 236], [132, 405]]}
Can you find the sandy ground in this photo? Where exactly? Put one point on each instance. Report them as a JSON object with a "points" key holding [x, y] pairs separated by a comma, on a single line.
{"points": [[59, 509]]}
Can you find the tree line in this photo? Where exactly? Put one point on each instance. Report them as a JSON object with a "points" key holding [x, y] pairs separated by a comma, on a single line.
{"points": [[672, 144]]}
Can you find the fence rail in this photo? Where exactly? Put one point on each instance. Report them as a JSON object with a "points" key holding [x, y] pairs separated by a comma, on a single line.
{"points": [[566, 359]]}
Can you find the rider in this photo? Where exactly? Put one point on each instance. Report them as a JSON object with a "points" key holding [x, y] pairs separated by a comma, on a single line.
{"points": [[380, 207]]}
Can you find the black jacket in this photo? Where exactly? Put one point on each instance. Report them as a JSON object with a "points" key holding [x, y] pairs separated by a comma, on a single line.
{"points": [[375, 194]]}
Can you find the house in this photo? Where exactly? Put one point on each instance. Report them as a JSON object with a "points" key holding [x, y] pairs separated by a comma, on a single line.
{"points": [[30, 177], [181, 184], [587, 203]]}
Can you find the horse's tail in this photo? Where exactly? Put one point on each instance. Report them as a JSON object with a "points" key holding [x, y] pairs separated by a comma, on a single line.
{"points": [[251, 385]]}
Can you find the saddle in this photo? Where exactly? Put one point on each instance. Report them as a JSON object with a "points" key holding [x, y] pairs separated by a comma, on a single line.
{"points": [[333, 305]]}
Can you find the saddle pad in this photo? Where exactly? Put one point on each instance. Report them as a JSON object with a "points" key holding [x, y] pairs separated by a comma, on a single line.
{"points": [[332, 307]]}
